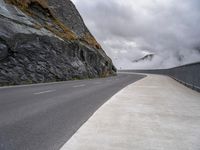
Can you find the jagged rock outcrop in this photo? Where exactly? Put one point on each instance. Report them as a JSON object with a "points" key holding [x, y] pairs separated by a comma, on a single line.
{"points": [[47, 40]]}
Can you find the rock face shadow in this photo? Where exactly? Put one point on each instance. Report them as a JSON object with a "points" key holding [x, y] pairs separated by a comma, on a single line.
{"points": [[45, 41]]}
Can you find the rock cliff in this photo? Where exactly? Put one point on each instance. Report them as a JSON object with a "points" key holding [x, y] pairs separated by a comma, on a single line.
{"points": [[47, 40]]}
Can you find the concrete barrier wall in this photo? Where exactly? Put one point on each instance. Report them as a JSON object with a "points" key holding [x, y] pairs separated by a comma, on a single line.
{"points": [[188, 75]]}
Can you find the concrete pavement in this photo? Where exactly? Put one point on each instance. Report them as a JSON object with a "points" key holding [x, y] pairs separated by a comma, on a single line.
{"points": [[155, 113]]}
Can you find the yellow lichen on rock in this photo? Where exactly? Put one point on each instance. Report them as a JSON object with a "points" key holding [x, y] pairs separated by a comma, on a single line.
{"points": [[90, 40], [63, 31], [56, 26]]}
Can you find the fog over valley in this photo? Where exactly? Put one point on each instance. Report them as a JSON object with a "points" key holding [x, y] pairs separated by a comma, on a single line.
{"points": [[143, 33]]}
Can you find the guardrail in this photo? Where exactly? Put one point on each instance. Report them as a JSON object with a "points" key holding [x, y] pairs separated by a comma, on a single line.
{"points": [[188, 75]]}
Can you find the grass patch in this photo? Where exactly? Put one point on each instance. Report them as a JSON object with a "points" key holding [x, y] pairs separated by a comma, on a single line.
{"points": [[55, 25], [90, 40], [62, 30]]}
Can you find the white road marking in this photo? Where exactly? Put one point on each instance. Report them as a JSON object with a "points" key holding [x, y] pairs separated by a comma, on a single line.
{"points": [[161, 118], [77, 86], [49, 91], [38, 84]]}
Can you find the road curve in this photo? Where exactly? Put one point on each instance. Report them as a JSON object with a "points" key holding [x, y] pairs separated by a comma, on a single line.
{"points": [[45, 116], [155, 113]]}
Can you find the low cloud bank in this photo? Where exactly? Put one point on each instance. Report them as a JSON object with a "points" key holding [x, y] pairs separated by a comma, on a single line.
{"points": [[129, 29]]}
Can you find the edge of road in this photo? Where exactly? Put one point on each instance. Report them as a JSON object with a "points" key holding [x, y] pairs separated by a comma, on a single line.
{"points": [[81, 106], [85, 137], [145, 75], [47, 83]]}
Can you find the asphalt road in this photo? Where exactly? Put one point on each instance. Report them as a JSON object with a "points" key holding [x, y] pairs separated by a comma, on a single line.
{"points": [[45, 116], [156, 113]]}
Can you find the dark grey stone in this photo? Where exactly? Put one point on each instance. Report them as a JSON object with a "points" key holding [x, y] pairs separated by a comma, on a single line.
{"points": [[3, 51], [32, 55]]}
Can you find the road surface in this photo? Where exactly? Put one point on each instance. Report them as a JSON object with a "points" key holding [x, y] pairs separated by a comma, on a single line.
{"points": [[45, 116], [155, 113]]}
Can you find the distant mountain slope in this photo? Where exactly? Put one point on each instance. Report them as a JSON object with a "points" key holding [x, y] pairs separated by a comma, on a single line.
{"points": [[147, 57], [47, 40]]}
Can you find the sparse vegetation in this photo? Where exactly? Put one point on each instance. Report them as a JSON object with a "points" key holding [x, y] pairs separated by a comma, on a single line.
{"points": [[55, 26], [62, 30], [36, 57], [90, 40]]}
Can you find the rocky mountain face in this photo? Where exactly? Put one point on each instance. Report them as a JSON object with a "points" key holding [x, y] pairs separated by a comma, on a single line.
{"points": [[47, 40]]}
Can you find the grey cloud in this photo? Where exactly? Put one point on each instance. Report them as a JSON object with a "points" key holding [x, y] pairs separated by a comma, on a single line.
{"points": [[167, 28]]}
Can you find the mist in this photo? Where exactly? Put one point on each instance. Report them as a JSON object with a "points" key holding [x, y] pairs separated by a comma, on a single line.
{"points": [[129, 30]]}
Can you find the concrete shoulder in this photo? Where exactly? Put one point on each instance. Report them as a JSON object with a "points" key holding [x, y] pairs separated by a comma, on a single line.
{"points": [[152, 114]]}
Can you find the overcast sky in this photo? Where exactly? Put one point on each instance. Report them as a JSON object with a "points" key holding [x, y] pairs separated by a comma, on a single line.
{"points": [[130, 29]]}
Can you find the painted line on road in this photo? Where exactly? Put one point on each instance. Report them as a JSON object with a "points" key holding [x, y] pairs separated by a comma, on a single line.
{"points": [[77, 86], [43, 92], [41, 84]]}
